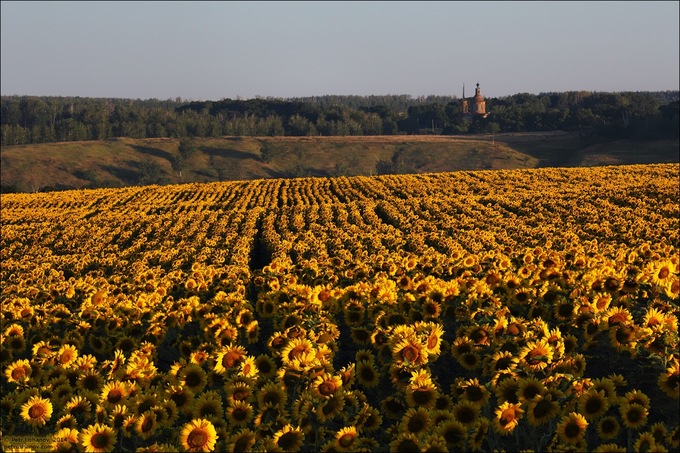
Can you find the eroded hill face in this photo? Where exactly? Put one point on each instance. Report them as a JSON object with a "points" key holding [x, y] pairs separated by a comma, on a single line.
{"points": [[127, 162]]}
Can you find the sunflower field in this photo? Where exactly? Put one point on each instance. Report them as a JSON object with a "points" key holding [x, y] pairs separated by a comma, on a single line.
{"points": [[532, 310]]}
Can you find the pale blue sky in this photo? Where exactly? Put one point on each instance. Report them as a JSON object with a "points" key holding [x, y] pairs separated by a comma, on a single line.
{"points": [[216, 50]]}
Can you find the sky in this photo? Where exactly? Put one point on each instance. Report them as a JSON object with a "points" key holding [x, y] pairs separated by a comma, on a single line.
{"points": [[283, 49]]}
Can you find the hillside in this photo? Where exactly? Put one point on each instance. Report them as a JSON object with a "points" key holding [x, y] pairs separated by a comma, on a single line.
{"points": [[123, 162]]}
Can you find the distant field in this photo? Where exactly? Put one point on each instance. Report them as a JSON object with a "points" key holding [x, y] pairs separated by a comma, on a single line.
{"points": [[121, 162]]}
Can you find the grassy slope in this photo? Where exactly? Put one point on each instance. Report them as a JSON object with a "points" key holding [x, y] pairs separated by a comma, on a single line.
{"points": [[117, 162]]}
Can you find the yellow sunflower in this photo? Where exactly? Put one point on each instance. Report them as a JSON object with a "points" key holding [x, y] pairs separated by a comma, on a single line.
{"points": [[19, 371], [273, 394], [572, 428], [669, 381], [113, 393], [530, 388], [507, 417], [98, 438], [454, 434], [367, 374], [289, 438], [536, 355], [610, 448], [199, 435], [634, 415], [193, 377], [410, 352], [423, 394], [239, 413], [608, 427], [593, 404], [36, 411], [346, 437], [146, 424], [208, 406], [242, 441], [297, 349], [266, 366], [466, 413], [542, 409], [405, 443], [65, 439]]}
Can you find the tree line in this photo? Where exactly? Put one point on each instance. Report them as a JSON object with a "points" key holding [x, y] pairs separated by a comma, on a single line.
{"points": [[636, 115]]}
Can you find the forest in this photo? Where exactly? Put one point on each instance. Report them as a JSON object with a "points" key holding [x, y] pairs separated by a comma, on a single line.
{"points": [[631, 115]]}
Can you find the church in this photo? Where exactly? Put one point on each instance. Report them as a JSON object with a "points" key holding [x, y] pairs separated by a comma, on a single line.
{"points": [[475, 106]]}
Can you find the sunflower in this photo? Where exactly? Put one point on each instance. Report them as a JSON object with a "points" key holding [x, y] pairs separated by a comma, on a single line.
{"points": [[229, 357], [645, 442], [507, 417], [288, 438], [273, 394], [669, 381], [608, 427], [637, 396], [118, 415], [65, 440], [572, 428], [326, 385], [466, 413], [393, 407], [19, 371], [193, 377], [593, 404], [500, 361], [346, 437], [114, 392], [410, 352], [239, 413], [422, 395], [536, 355], [146, 424], [542, 409], [623, 337], [507, 391], [610, 448], [433, 340], [266, 366], [208, 406], [662, 271], [618, 315], [67, 355], [368, 419], [36, 411], [199, 435], [91, 381], [98, 438], [471, 391], [182, 397], [415, 421], [633, 415], [331, 407], [434, 443], [530, 388], [297, 349], [78, 406], [242, 441], [454, 434], [367, 374], [405, 443], [67, 421], [607, 385]]}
